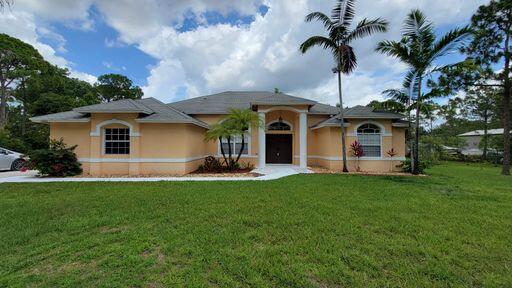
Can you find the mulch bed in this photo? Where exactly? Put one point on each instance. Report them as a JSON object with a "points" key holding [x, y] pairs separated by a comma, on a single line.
{"points": [[237, 173], [321, 170]]}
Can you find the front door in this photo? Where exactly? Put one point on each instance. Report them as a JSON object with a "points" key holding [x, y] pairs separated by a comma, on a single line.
{"points": [[279, 148]]}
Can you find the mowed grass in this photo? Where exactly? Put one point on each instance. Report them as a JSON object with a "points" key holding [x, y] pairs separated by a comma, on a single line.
{"points": [[453, 228]]}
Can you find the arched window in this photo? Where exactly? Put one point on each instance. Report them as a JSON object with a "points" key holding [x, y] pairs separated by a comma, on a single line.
{"points": [[279, 126], [368, 136]]}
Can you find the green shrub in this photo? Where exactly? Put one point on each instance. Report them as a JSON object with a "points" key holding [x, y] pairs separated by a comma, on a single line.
{"points": [[406, 166], [210, 165], [58, 160]]}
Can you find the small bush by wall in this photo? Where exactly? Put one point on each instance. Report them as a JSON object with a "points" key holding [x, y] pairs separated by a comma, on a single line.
{"points": [[57, 161]]}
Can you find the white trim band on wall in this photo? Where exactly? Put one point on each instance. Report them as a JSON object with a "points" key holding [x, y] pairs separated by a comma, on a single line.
{"points": [[141, 160], [337, 158]]}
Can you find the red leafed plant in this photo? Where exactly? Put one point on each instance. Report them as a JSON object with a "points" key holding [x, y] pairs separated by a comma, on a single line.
{"points": [[357, 150], [391, 152]]}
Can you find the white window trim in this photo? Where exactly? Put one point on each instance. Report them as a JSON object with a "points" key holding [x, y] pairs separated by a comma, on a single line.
{"points": [[276, 121], [383, 131], [380, 134], [100, 125], [247, 143], [103, 141]]}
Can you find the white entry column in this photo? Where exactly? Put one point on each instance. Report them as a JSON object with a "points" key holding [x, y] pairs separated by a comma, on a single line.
{"points": [[261, 141], [303, 134]]}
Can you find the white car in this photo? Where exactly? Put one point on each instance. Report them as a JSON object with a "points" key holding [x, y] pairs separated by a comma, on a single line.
{"points": [[10, 160]]}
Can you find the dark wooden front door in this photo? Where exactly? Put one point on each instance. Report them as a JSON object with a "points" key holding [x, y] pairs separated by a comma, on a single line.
{"points": [[279, 148]]}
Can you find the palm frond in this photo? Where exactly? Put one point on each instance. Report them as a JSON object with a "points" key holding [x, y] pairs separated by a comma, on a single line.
{"points": [[366, 28], [450, 41], [416, 23], [399, 95], [319, 16], [343, 13], [395, 49], [321, 41]]}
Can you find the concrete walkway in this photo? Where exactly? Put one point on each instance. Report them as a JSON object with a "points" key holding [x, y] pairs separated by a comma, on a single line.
{"points": [[270, 172]]}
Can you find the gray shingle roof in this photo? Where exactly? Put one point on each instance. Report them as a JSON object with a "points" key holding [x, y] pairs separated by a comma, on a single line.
{"points": [[121, 106], [153, 111], [166, 114], [358, 112], [220, 103], [68, 116], [368, 112], [150, 109]]}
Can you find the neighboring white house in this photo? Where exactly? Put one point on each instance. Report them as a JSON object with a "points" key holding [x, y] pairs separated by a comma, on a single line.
{"points": [[473, 139]]}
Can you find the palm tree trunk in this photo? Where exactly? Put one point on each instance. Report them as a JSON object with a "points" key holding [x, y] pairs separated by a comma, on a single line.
{"points": [[222, 151], [506, 109], [241, 149], [343, 146], [230, 154], [3, 105], [416, 158], [409, 120]]}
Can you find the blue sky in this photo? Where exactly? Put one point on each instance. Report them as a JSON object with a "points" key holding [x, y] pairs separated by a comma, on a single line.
{"points": [[97, 52], [188, 48]]}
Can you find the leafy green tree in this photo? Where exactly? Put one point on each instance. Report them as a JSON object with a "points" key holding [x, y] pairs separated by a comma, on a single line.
{"points": [[480, 104], [420, 50], [49, 103], [389, 105], [338, 42], [113, 87], [18, 61], [490, 47], [236, 124]]}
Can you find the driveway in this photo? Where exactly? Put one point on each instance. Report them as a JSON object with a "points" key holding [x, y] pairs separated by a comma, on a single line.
{"points": [[8, 174]]}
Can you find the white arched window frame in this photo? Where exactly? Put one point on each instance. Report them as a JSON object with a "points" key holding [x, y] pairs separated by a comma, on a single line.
{"points": [[115, 140], [369, 136], [236, 143], [269, 125]]}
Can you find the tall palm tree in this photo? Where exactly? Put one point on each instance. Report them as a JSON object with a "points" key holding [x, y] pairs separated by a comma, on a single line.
{"points": [[420, 49], [338, 41]]}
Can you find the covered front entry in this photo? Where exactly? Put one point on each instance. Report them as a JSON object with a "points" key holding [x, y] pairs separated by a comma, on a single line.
{"points": [[279, 149]]}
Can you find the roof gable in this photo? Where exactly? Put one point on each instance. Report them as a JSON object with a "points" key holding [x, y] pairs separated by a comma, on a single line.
{"points": [[220, 103]]}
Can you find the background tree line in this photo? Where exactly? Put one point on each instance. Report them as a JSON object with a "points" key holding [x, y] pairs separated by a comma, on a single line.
{"points": [[30, 86], [479, 87]]}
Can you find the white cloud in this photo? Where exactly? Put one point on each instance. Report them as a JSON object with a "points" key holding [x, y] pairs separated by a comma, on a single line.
{"points": [[22, 25], [264, 54], [258, 56]]}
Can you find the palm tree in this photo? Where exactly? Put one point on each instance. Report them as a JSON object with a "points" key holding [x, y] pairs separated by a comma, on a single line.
{"points": [[236, 124], [338, 41], [420, 49]]}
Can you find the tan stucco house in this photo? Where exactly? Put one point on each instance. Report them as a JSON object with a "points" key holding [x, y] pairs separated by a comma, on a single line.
{"points": [[134, 137]]}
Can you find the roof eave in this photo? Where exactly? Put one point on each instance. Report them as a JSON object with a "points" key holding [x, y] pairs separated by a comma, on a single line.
{"points": [[329, 125], [82, 120], [204, 125]]}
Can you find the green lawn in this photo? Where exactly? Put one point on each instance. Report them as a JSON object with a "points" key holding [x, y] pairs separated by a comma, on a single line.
{"points": [[453, 228]]}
